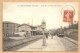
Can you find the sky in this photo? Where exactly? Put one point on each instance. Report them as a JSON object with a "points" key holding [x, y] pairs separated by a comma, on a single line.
{"points": [[33, 13]]}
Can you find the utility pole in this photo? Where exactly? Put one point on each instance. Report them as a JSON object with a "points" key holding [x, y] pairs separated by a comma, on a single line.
{"points": [[32, 26], [43, 25]]}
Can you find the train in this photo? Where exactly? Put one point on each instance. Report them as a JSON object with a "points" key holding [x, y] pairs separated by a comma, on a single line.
{"points": [[60, 33]]}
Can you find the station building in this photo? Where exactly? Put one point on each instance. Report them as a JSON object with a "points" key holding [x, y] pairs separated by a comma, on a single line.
{"points": [[9, 28]]}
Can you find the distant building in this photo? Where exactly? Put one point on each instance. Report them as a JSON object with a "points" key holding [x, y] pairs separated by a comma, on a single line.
{"points": [[33, 30], [38, 30], [25, 28], [30, 30], [9, 28]]}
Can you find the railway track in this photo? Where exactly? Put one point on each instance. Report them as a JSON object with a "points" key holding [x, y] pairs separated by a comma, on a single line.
{"points": [[69, 45], [14, 48]]}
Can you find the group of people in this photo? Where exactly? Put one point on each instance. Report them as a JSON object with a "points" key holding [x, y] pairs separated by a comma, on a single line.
{"points": [[48, 34]]}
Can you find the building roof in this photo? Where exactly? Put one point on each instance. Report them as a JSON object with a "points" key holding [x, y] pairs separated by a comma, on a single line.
{"points": [[32, 27], [10, 22], [24, 24]]}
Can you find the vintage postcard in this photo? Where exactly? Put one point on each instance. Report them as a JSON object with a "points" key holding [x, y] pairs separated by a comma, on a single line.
{"points": [[40, 27]]}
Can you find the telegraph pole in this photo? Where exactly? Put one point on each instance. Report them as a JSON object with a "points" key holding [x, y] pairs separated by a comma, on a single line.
{"points": [[32, 26], [43, 28]]}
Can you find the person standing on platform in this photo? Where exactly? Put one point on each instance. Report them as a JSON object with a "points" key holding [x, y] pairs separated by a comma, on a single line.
{"points": [[46, 35]]}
